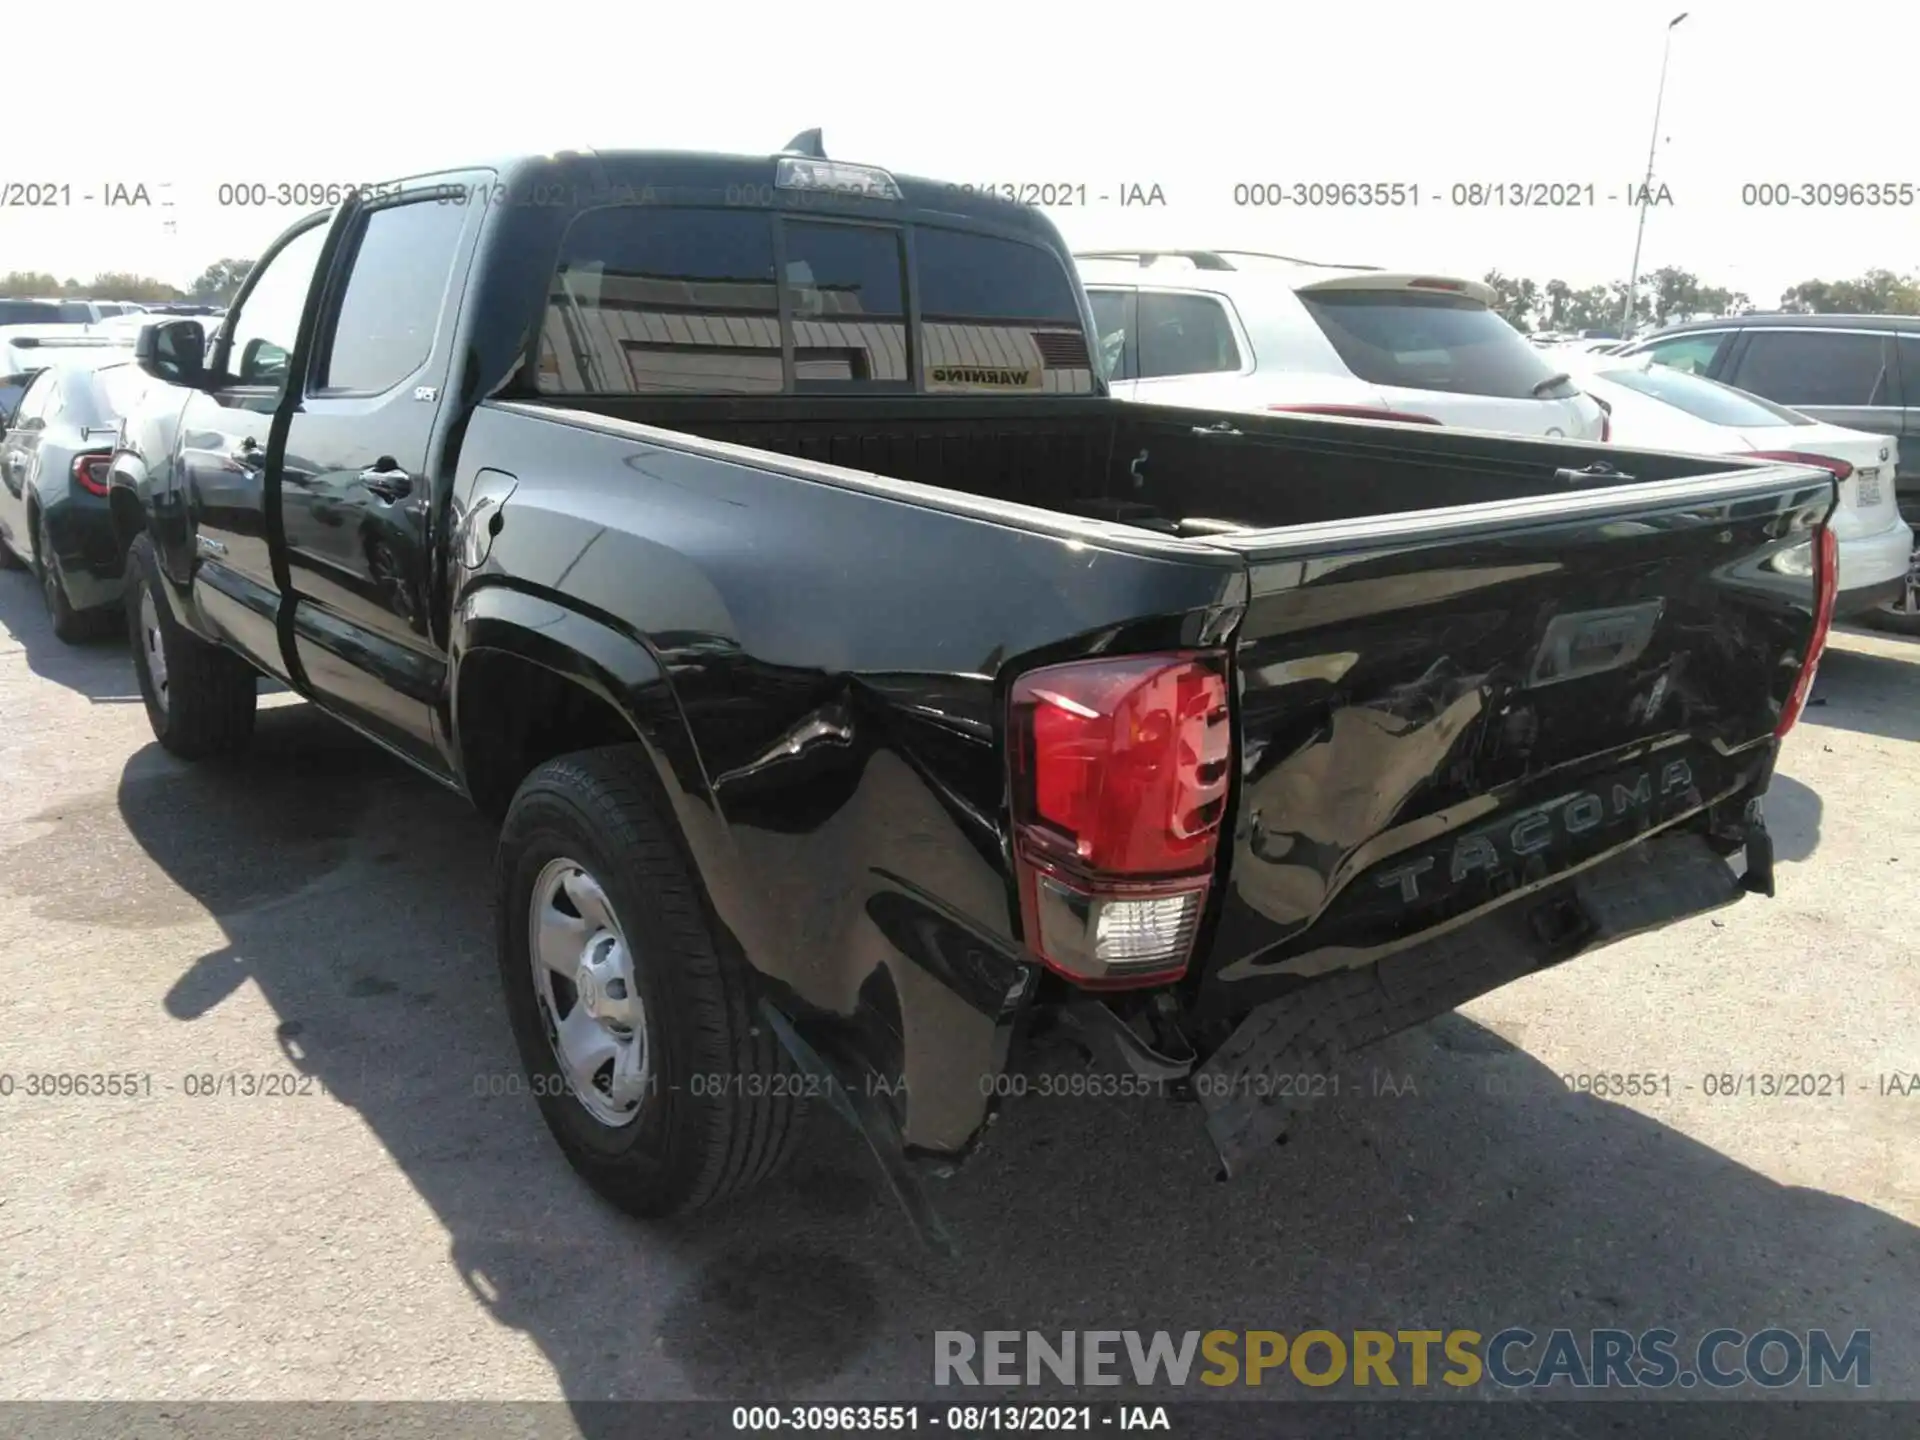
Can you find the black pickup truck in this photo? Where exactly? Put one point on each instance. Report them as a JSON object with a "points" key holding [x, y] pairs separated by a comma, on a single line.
{"points": [[863, 692]]}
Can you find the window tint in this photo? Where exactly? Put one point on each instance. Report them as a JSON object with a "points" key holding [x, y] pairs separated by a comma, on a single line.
{"points": [[1690, 354], [1000, 316], [1113, 312], [39, 402], [391, 306], [655, 301], [266, 327], [28, 312], [1815, 367], [981, 277], [848, 297], [1430, 342], [1702, 398], [1184, 335], [76, 312]]}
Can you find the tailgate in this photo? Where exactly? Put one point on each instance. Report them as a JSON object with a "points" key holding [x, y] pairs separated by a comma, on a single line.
{"points": [[1440, 708]]}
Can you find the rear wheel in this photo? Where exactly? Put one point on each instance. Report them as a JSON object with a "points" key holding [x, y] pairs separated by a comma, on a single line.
{"points": [[661, 1084], [1901, 615], [200, 698]]}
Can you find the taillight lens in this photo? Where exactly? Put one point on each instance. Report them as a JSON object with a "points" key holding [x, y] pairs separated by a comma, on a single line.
{"points": [[1839, 469], [1357, 412], [1120, 773], [90, 472], [1826, 587]]}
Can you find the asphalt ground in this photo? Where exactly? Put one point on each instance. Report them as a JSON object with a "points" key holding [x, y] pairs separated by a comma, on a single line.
{"points": [[394, 1223]]}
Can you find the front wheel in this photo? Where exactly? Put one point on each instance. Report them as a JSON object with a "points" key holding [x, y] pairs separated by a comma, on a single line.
{"points": [[200, 698], [661, 1084]]}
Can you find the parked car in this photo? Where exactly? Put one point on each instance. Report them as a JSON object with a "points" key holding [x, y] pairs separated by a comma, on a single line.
{"points": [[25, 349], [1656, 407], [1860, 371], [55, 453], [1234, 330], [30, 312], [861, 687]]}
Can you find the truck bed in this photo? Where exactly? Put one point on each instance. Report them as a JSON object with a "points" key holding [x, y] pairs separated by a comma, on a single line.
{"points": [[1163, 468]]}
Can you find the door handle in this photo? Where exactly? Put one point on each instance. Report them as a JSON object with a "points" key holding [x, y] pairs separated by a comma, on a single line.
{"points": [[387, 480], [1219, 430]]}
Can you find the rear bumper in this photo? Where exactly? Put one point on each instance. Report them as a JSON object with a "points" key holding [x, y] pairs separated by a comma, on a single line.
{"points": [[1873, 567], [1265, 1068]]}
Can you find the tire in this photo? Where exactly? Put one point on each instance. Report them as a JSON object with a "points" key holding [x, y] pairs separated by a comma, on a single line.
{"points": [[204, 703], [718, 1110], [1902, 616], [69, 624]]}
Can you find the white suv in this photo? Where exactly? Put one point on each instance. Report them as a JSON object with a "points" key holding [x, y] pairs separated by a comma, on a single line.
{"points": [[1242, 330]]}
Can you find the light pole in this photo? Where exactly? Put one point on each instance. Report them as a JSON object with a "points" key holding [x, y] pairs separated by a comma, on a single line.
{"points": [[1633, 279]]}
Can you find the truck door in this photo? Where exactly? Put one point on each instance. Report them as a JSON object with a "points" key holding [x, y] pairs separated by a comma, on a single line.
{"points": [[223, 437], [355, 484]]}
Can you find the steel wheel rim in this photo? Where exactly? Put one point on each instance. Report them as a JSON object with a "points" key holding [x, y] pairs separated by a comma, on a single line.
{"points": [[590, 1005], [1909, 601], [154, 645]]}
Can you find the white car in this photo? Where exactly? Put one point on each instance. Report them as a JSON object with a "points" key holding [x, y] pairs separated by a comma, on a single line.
{"points": [[1241, 330], [1655, 407], [25, 349]]}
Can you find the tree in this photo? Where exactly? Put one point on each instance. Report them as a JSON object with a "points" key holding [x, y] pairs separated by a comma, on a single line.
{"points": [[119, 285], [221, 281], [1878, 292], [25, 284], [1515, 300]]}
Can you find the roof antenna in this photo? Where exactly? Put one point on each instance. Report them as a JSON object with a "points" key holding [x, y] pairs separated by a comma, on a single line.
{"points": [[807, 143]]}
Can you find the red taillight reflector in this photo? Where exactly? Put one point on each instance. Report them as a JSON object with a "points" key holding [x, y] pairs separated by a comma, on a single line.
{"points": [[1356, 412], [1826, 589], [1839, 469], [1119, 785], [90, 472]]}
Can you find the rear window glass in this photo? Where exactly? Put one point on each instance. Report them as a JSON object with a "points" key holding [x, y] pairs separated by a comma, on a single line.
{"points": [[1701, 398], [120, 388], [652, 300], [28, 312], [73, 312], [1430, 342], [847, 290], [649, 301]]}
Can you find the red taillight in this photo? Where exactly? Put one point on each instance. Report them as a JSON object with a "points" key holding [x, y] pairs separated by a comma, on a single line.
{"points": [[1839, 469], [1356, 412], [90, 472], [1120, 772], [1826, 587]]}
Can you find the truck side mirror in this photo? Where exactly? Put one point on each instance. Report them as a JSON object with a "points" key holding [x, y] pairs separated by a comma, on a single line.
{"points": [[173, 351]]}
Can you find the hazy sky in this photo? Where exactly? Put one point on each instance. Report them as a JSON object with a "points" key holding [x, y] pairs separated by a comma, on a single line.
{"points": [[1194, 99]]}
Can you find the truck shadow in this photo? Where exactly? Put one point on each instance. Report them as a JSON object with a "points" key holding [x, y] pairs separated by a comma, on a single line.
{"points": [[1866, 691], [1475, 1191]]}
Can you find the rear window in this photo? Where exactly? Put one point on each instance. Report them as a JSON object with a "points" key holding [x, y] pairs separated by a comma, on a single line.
{"points": [[75, 312], [1430, 342], [120, 388], [1701, 398], [656, 301], [28, 312]]}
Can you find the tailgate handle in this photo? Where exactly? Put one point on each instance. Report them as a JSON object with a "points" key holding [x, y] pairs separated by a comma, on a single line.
{"points": [[1219, 430]]}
